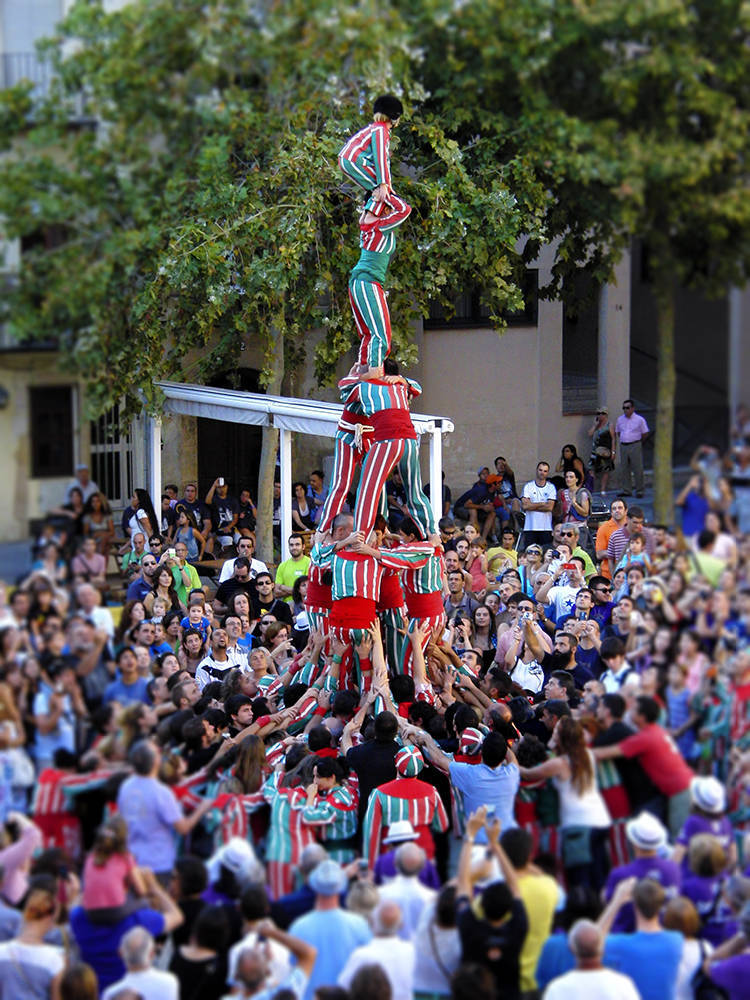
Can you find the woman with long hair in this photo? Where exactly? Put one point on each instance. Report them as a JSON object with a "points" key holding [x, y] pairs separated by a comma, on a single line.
{"points": [[187, 532], [139, 516], [584, 819], [299, 594], [133, 613], [569, 459], [485, 633], [302, 513], [164, 587], [31, 967], [97, 522], [192, 650], [250, 768]]}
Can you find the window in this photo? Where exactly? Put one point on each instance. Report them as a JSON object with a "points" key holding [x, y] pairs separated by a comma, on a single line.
{"points": [[470, 311], [51, 428], [580, 345]]}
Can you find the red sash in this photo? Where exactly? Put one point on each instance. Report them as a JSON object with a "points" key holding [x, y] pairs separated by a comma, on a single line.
{"points": [[318, 595], [391, 596], [425, 605], [391, 424], [352, 612]]}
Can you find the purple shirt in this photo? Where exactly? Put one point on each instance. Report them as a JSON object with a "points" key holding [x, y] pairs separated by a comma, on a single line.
{"points": [[734, 975], [385, 868], [661, 870], [719, 827]]}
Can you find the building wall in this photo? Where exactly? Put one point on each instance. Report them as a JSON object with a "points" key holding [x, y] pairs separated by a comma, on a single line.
{"points": [[23, 498]]}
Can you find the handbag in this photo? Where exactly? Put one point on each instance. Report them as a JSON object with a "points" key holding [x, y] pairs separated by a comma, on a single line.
{"points": [[576, 846], [703, 986], [601, 451]]}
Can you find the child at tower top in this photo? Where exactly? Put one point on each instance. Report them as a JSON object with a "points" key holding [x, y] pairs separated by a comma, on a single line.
{"points": [[366, 157]]}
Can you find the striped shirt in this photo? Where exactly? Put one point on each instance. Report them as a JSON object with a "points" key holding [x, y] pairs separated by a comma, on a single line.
{"points": [[376, 396], [404, 798], [356, 574], [371, 146], [427, 579], [377, 242]]}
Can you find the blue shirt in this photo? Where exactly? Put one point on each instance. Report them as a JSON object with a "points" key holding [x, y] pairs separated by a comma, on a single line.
{"points": [[335, 933], [99, 943], [651, 961], [150, 809], [126, 694], [138, 589], [481, 785]]}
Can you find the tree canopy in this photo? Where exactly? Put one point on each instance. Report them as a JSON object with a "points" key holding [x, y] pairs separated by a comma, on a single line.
{"points": [[207, 203]]}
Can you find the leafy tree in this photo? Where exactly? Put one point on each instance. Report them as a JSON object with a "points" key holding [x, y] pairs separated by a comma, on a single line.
{"points": [[633, 116], [206, 205]]}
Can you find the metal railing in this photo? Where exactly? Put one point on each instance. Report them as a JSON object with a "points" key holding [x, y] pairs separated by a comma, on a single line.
{"points": [[16, 67]]}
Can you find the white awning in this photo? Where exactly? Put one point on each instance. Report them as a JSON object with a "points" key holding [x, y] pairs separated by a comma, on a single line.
{"points": [[289, 415]]}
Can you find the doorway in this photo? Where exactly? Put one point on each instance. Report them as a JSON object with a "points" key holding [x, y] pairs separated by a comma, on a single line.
{"points": [[228, 449]]}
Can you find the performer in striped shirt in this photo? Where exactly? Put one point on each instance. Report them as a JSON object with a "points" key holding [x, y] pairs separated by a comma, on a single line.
{"points": [[377, 242], [287, 834], [423, 593], [385, 413], [331, 808], [366, 156], [405, 798]]}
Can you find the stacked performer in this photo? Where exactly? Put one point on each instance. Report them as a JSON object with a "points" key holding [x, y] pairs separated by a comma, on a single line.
{"points": [[375, 435]]}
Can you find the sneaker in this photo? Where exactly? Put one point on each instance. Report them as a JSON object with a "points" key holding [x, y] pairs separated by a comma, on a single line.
{"points": [[639, 494]]}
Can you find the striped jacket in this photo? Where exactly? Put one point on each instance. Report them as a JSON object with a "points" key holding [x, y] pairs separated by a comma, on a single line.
{"points": [[334, 816], [403, 798], [372, 397], [356, 574], [287, 834], [377, 242], [371, 147], [426, 579]]}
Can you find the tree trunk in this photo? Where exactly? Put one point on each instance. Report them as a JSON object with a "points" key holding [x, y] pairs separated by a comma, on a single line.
{"points": [[268, 451], [665, 392]]}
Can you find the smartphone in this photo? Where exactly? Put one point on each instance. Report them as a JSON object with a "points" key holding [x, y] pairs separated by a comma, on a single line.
{"points": [[526, 616], [581, 616], [568, 566], [221, 480], [172, 553]]}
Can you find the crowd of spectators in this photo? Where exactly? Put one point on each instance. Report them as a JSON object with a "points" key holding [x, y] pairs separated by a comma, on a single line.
{"points": [[203, 795]]}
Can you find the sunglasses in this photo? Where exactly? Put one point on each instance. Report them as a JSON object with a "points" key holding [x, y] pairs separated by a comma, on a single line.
{"points": [[603, 590], [567, 534], [601, 413]]}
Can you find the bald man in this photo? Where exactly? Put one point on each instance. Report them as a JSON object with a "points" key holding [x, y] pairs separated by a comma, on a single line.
{"points": [[395, 957], [589, 980], [406, 890]]}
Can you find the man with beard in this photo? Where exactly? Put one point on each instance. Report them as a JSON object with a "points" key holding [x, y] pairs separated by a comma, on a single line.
{"points": [[217, 665], [562, 657]]}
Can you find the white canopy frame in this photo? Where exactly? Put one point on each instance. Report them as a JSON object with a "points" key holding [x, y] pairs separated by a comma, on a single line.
{"points": [[289, 415]]}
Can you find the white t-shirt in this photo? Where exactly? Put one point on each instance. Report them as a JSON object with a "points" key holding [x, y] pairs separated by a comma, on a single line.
{"points": [[151, 984], [227, 570], [563, 601], [395, 957], [529, 676], [596, 984], [538, 520], [279, 967]]}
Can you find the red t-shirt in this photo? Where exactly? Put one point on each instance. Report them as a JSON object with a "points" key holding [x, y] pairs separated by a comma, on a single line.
{"points": [[659, 757]]}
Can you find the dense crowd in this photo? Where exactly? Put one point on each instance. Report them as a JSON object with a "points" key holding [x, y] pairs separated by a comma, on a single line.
{"points": [[208, 790]]}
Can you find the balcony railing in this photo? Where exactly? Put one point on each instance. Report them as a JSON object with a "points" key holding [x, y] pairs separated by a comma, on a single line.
{"points": [[18, 66]]}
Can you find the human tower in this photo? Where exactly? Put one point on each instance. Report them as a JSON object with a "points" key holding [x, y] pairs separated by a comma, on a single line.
{"points": [[353, 578]]}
